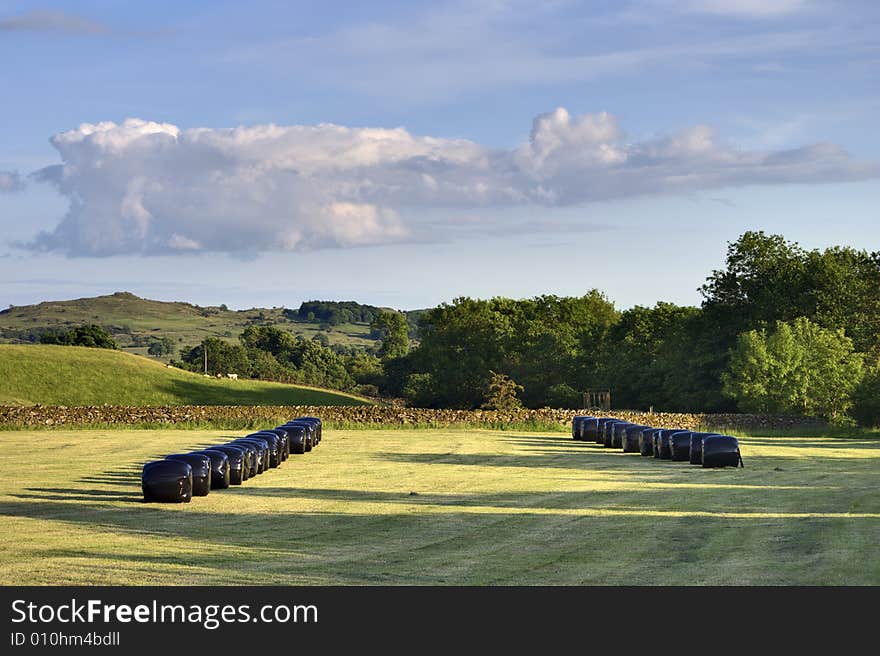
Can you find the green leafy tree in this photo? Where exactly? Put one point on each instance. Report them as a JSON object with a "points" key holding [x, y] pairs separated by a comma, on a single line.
{"points": [[391, 328], [539, 342], [799, 368], [271, 339], [161, 346], [642, 356], [866, 399], [501, 391], [564, 396], [222, 357], [265, 366], [90, 335], [419, 391]]}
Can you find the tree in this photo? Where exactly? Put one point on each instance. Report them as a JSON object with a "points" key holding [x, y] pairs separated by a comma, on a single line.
{"points": [[392, 329], [161, 346], [641, 360], [223, 357], [866, 399], [501, 393], [419, 390], [539, 342], [91, 335], [563, 396], [799, 368]]}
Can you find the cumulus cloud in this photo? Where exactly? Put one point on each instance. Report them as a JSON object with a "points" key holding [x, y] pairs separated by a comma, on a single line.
{"points": [[10, 181], [147, 187], [50, 21], [743, 8]]}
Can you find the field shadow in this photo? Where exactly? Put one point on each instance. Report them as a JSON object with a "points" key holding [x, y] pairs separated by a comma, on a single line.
{"points": [[78, 494], [815, 443]]}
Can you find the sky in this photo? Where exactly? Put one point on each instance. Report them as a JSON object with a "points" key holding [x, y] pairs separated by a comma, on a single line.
{"points": [[404, 154]]}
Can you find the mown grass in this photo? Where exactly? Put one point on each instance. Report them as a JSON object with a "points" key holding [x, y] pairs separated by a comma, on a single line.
{"points": [[442, 507], [70, 375]]}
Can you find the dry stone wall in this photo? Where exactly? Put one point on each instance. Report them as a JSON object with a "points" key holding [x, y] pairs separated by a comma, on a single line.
{"points": [[47, 416]]}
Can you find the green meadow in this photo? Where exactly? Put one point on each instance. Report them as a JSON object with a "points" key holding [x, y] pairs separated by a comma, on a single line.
{"points": [[75, 375], [442, 507]]}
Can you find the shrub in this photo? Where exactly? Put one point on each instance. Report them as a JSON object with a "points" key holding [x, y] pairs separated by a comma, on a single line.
{"points": [[866, 399], [501, 393]]}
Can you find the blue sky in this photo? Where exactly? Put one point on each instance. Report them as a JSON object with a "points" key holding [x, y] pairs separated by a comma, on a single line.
{"points": [[265, 153]]}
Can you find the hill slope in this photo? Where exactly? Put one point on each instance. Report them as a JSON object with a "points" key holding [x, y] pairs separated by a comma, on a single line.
{"points": [[133, 321], [70, 375]]}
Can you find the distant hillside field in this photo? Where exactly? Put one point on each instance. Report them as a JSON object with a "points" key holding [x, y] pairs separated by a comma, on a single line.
{"points": [[133, 321], [72, 375]]}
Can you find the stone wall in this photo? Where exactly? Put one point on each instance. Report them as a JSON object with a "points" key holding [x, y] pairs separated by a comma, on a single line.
{"points": [[45, 416]]}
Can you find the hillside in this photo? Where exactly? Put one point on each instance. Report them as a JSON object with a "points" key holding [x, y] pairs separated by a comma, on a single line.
{"points": [[134, 321], [70, 375]]}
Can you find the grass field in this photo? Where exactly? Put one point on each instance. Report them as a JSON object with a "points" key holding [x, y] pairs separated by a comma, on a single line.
{"points": [[442, 507], [70, 375]]}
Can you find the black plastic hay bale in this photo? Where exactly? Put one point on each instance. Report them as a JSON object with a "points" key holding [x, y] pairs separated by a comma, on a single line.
{"points": [[646, 441], [721, 451], [617, 434], [680, 446], [253, 459], [167, 481], [262, 450], [315, 423], [284, 443], [219, 468], [602, 423], [589, 429], [319, 427], [610, 427], [201, 471], [577, 427], [629, 439], [296, 438], [696, 452], [664, 451], [310, 432], [275, 447], [655, 439], [239, 462]]}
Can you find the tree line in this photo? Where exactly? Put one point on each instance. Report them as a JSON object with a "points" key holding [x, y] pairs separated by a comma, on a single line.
{"points": [[780, 329]]}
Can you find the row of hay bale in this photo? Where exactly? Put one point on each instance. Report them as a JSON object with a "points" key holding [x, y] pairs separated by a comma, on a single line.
{"points": [[180, 476], [698, 448]]}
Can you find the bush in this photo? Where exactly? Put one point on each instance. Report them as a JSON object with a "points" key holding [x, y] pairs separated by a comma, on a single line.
{"points": [[367, 390], [866, 399], [501, 393]]}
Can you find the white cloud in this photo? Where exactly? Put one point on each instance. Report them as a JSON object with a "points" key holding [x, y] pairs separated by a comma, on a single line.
{"points": [[144, 187], [743, 8], [50, 21], [10, 181]]}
